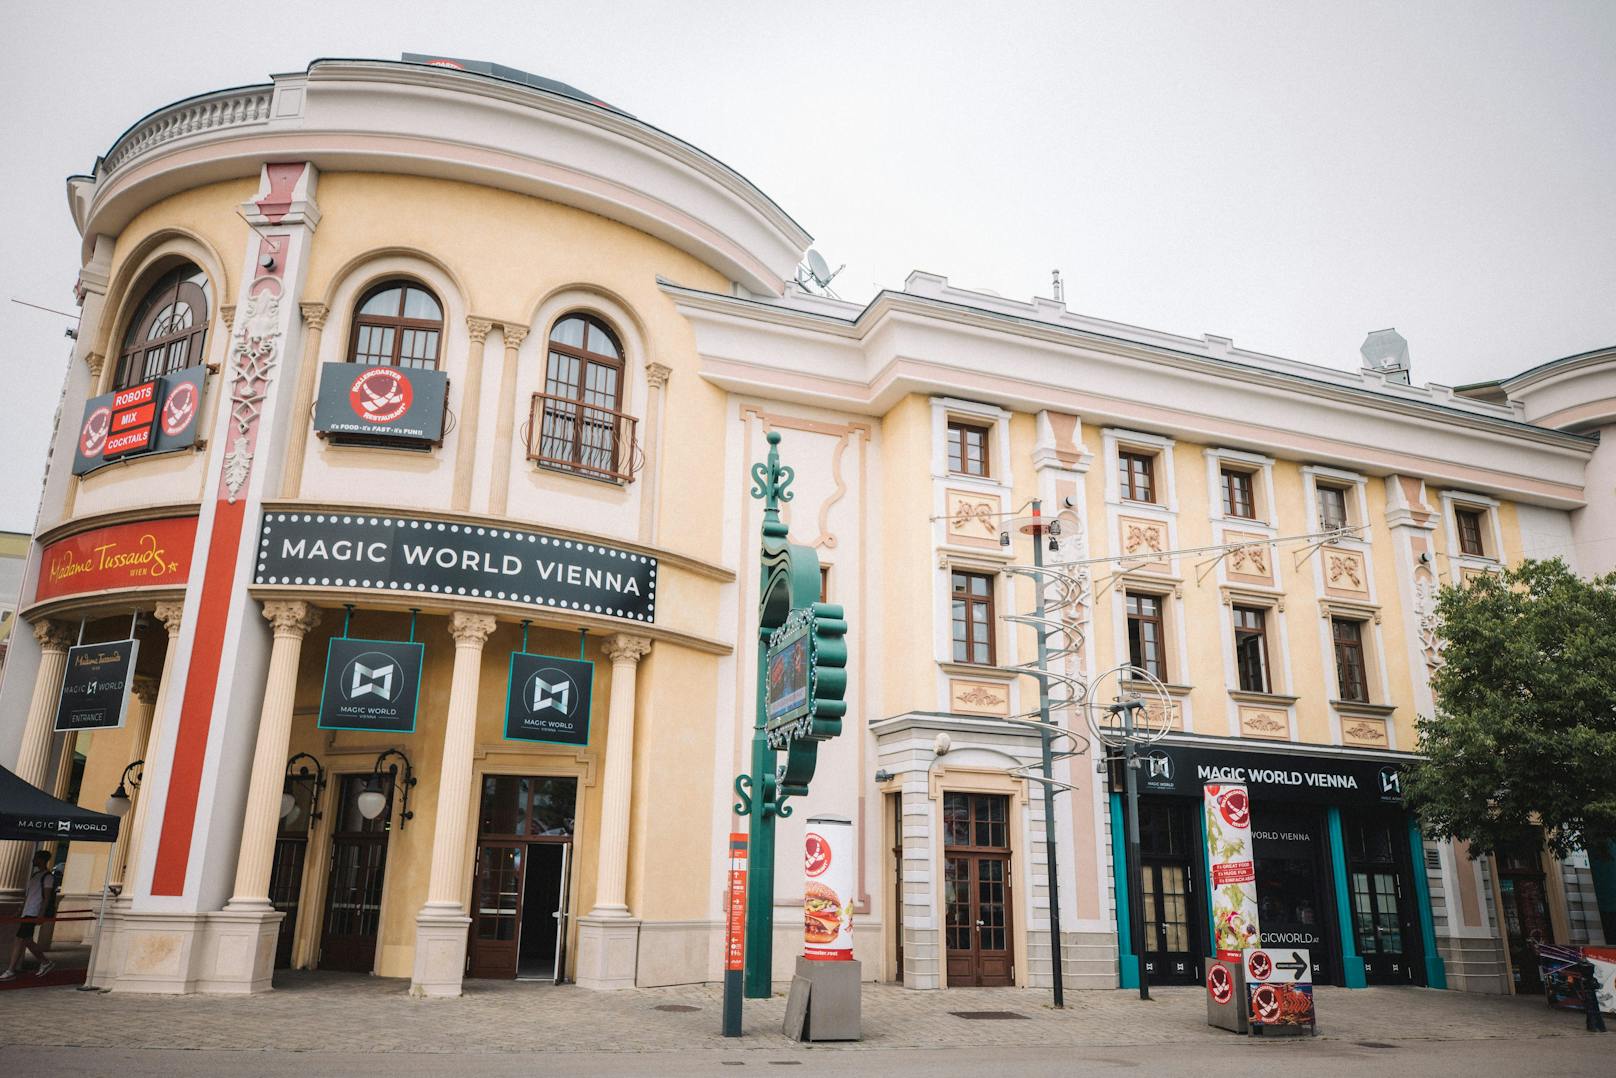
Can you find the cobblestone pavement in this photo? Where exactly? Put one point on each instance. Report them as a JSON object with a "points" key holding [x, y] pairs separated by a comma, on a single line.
{"points": [[311, 1012]]}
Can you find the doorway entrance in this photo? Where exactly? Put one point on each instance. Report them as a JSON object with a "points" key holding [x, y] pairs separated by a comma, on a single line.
{"points": [[1294, 907], [1382, 912], [1523, 888], [353, 909], [976, 889], [1168, 889], [522, 890], [286, 874]]}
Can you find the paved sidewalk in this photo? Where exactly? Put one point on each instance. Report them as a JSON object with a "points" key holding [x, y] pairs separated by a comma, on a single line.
{"points": [[323, 1011]]}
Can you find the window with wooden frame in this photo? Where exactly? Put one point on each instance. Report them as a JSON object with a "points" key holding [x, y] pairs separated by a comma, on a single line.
{"points": [[1469, 525], [824, 583], [1251, 648], [397, 324], [973, 617], [968, 448], [578, 423], [1239, 499], [1332, 502], [1147, 647], [1136, 475], [1352, 674], [169, 330]]}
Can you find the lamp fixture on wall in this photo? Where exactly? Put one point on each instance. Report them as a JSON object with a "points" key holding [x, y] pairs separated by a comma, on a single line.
{"points": [[382, 784], [303, 774], [118, 803]]}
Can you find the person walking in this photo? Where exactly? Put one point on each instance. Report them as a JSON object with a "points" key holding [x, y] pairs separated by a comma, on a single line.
{"points": [[38, 896]]}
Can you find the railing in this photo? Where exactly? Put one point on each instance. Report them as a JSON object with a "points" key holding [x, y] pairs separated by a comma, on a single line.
{"points": [[210, 112], [568, 435]]}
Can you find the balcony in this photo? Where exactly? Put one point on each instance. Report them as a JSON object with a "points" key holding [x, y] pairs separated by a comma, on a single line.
{"points": [[585, 439]]}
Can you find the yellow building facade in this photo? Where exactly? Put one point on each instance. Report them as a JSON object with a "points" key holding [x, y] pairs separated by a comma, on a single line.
{"points": [[456, 381]]}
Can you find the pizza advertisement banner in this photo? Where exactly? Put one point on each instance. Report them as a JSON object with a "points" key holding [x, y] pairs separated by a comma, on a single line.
{"points": [[145, 554], [1227, 807], [827, 899], [393, 405]]}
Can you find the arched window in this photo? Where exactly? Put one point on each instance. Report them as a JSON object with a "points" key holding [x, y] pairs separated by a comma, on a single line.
{"points": [[582, 428], [397, 324], [169, 329]]}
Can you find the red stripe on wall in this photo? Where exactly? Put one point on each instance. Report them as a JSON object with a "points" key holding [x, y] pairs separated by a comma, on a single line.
{"points": [[196, 713]]}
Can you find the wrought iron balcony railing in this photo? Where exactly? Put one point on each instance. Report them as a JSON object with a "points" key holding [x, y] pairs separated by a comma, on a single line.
{"points": [[568, 435]]}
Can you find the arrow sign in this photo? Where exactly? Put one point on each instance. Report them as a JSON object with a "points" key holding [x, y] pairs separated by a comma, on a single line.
{"points": [[1297, 965]]}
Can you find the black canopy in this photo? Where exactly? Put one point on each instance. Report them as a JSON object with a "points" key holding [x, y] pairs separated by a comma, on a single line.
{"points": [[30, 814]]}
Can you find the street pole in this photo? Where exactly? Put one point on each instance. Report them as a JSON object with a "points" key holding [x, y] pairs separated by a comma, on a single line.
{"points": [[1046, 743], [1136, 900], [760, 886]]}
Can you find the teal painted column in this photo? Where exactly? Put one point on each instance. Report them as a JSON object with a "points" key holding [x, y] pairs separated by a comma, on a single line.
{"points": [[1352, 966], [1436, 972], [1206, 877], [1129, 962]]}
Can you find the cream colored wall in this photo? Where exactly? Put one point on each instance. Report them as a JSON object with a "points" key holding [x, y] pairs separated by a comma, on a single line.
{"points": [[908, 670]]}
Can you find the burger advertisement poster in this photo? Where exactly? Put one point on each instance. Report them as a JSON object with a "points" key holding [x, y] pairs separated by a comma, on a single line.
{"points": [[827, 900], [1234, 877], [359, 402]]}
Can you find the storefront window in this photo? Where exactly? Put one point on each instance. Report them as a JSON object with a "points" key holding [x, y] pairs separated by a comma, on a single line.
{"points": [[528, 806]]}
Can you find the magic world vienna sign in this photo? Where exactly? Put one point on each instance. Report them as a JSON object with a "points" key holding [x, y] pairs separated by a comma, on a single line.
{"points": [[436, 557]]}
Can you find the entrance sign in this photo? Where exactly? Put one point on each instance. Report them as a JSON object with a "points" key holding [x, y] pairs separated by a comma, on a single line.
{"points": [[159, 416], [414, 554], [95, 689], [391, 404], [371, 685], [1234, 876], [1183, 769], [547, 699], [150, 553], [827, 901], [1279, 989]]}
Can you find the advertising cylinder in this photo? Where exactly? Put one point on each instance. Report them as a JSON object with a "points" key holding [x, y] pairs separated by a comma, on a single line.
{"points": [[828, 889]]}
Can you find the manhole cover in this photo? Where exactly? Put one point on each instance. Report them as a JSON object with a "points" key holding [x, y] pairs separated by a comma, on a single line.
{"points": [[675, 1008], [987, 1015], [1373, 1044]]}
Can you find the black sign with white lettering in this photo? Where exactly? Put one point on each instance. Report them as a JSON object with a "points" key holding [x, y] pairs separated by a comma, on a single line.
{"points": [[371, 685], [547, 699], [159, 416], [515, 565], [95, 689], [1184, 770], [360, 402]]}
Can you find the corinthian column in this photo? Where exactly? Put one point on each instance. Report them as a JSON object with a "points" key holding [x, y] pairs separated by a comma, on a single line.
{"points": [[470, 408], [314, 316], [32, 756], [172, 617], [440, 927], [292, 621], [499, 492], [611, 878]]}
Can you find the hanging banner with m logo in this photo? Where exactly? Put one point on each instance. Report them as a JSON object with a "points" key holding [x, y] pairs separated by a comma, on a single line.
{"points": [[371, 685], [548, 699]]}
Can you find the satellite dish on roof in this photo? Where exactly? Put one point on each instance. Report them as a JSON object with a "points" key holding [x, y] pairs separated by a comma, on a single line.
{"points": [[819, 273]]}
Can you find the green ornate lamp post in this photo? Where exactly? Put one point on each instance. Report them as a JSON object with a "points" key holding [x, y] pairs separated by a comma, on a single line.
{"points": [[800, 643]]}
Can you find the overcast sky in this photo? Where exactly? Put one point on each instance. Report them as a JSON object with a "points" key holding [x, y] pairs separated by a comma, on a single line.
{"points": [[1290, 175]]}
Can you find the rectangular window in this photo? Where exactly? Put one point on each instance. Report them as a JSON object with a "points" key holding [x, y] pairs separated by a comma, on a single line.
{"points": [[1349, 660], [1137, 471], [824, 583], [973, 618], [1237, 497], [1146, 649], [967, 448], [1251, 648], [1332, 508], [1469, 521]]}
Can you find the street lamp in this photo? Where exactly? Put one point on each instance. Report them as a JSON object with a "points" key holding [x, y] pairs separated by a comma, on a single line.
{"points": [[380, 786]]}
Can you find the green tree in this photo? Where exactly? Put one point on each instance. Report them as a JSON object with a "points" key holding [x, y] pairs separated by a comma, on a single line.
{"points": [[1525, 725]]}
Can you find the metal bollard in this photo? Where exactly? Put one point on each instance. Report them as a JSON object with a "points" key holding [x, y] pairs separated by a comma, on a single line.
{"points": [[1590, 997]]}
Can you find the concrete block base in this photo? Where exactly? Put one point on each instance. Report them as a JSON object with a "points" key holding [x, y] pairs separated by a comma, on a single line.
{"points": [[440, 952], [231, 952], [608, 952], [833, 1002]]}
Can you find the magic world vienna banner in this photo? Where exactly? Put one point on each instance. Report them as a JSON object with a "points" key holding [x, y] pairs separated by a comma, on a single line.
{"points": [[411, 554]]}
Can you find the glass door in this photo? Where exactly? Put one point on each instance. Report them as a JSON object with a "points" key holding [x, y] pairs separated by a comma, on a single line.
{"points": [[354, 893], [1168, 890], [1381, 912], [286, 873], [976, 889], [521, 917]]}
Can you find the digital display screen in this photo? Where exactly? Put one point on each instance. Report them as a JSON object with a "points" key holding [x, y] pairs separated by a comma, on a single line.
{"points": [[788, 679]]}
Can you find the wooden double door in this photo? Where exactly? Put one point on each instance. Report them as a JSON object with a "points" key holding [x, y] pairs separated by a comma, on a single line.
{"points": [[977, 902], [353, 904], [521, 892]]}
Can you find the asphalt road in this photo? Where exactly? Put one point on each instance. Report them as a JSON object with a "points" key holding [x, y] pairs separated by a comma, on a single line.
{"points": [[1580, 1055]]}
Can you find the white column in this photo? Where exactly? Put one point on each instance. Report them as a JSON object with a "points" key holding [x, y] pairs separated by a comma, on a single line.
{"points": [[145, 699], [440, 927], [608, 936], [34, 753], [500, 486], [292, 621], [470, 409], [172, 617]]}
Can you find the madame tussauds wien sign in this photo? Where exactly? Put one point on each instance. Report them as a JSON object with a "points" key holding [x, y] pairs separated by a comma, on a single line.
{"points": [[396, 553]]}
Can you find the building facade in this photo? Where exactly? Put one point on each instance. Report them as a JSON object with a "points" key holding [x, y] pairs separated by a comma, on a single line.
{"points": [[417, 399]]}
